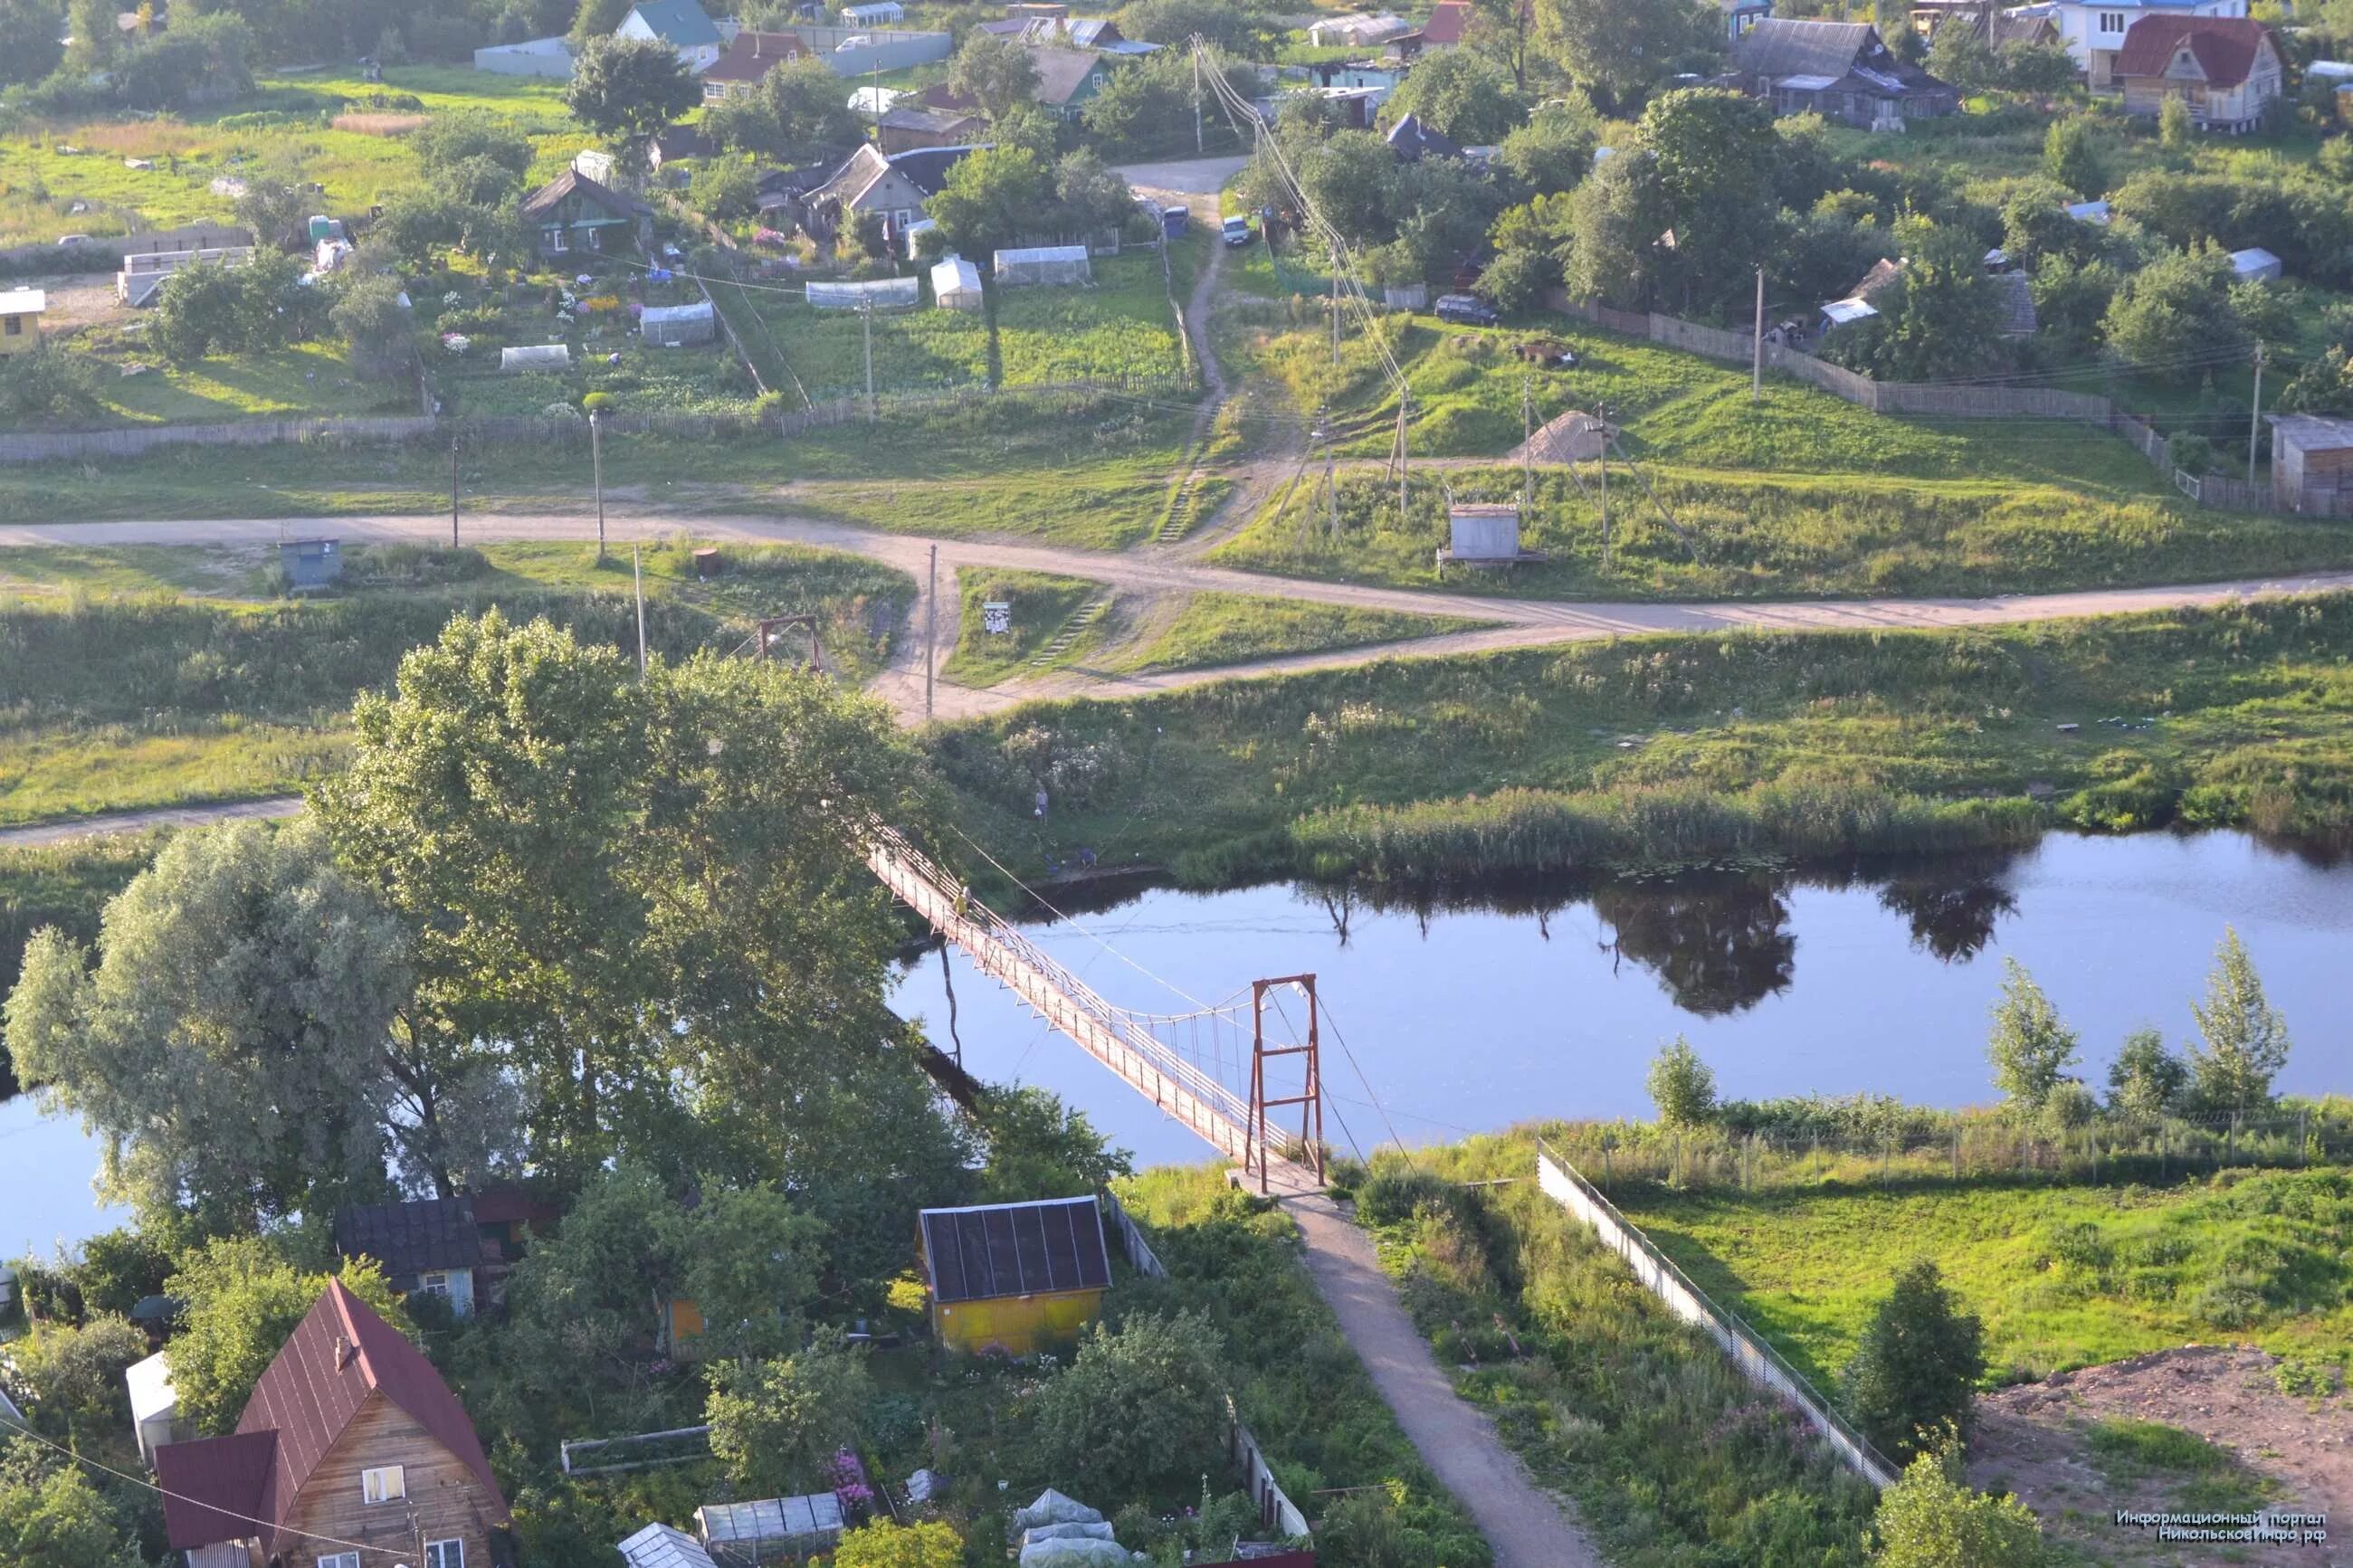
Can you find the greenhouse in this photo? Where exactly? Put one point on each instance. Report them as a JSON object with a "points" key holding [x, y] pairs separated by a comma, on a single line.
{"points": [[771, 1528], [666, 325], [535, 357], [877, 294], [956, 284], [1044, 264]]}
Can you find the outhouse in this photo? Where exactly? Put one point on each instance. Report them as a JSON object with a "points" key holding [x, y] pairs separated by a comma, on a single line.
{"points": [[309, 562]]}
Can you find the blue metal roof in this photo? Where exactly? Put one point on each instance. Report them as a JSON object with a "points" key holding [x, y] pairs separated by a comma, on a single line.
{"points": [[681, 24]]}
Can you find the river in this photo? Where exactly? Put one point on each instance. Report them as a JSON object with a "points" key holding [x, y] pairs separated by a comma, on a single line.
{"points": [[1472, 1016]]}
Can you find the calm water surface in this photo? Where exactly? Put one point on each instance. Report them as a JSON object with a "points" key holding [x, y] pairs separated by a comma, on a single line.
{"points": [[1472, 1018]]}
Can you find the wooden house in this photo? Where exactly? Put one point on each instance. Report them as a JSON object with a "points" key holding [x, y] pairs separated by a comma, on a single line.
{"points": [[684, 26], [747, 62], [20, 320], [2312, 465], [351, 1436], [1014, 1278], [458, 1248], [2226, 69], [894, 185], [1840, 70], [573, 212]]}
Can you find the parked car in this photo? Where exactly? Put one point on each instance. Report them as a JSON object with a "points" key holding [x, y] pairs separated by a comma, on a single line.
{"points": [[66, 239], [1236, 230], [1467, 311]]}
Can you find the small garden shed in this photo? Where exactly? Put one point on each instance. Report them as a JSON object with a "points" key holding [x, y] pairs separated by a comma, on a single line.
{"points": [[1044, 264], [2255, 264], [1014, 1278], [956, 284], [668, 326]]}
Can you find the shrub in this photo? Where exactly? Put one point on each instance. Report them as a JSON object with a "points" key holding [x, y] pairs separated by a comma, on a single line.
{"points": [[1931, 1519], [883, 1545], [1682, 1086], [1915, 1370], [1393, 1193], [1140, 1410]]}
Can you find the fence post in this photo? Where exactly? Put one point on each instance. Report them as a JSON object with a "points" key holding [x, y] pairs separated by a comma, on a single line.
{"points": [[1957, 1153], [2303, 1150]]}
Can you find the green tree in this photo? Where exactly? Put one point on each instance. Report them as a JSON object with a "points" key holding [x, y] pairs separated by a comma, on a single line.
{"points": [[1461, 95], [1040, 1148], [1917, 1367], [230, 1046], [51, 1517], [628, 90], [2041, 70], [376, 326], [119, 1268], [2035, 223], [202, 60], [2030, 1047], [1133, 1414], [2072, 156], [797, 109], [596, 19], [2175, 130], [990, 198], [2145, 1080], [1682, 1086], [1931, 1519], [725, 190], [49, 385], [586, 1298], [2071, 304], [1553, 150], [455, 137], [996, 73], [2244, 1037], [1222, 25], [240, 1297], [1940, 317], [773, 1423], [1701, 166], [2173, 317], [29, 48], [274, 204], [74, 1374], [881, 1544], [1960, 54], [2325, 386], [750, 1261], [1618, 50]]}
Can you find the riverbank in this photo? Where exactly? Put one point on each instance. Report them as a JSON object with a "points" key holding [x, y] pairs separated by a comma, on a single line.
{"points": [[1674, 751]]}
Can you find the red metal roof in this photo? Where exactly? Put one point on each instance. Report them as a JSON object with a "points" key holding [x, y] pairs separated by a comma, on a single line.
{"points": [[2223, 46], [338, 1355], [1447, 24], [754, 54], [212, 1488]]}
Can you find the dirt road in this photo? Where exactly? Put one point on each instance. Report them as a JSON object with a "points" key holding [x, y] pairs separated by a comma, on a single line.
{"points": [[42, 833]]}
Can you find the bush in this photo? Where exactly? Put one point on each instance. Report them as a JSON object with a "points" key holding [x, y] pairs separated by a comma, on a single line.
{"points": [[1931, 1519], [1915, 1372], [1141, 1412], [47, 386], [1682, 1086], [1393, 1193]]}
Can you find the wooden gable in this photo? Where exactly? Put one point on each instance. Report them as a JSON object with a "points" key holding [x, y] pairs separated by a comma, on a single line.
{"points": [[443, 1499]]}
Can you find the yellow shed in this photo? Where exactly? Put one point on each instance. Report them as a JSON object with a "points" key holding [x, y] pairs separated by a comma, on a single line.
{"points": [[20, 320], [1015, 1277]]}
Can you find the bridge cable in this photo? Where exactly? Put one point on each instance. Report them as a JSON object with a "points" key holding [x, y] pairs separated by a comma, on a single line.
{"points": [[1358, 1066]]}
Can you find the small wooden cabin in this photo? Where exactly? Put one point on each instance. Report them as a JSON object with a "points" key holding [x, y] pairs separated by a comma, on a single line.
{"points": [[1014, 1278]]}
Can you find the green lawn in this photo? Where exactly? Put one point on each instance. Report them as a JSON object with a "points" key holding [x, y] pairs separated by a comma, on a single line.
{"points": [[1041, 603], [1235, 628], [2063, 1276], [1682, 749], [312, 379], [1706, 533]]}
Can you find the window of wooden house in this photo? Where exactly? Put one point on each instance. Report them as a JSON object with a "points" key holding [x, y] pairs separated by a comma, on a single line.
{"points": [[385, 1483], [445, 1554], [340, 1559]]}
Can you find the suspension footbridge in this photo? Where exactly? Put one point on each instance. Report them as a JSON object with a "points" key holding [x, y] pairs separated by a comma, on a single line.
{"points": [[1216, 1069]]}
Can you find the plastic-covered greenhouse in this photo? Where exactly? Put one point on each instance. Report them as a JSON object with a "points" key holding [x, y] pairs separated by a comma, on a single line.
{"points": [[536, 357], [1044, 264], [956, 284], [667, 324], [748, 1532], [878, 294]]}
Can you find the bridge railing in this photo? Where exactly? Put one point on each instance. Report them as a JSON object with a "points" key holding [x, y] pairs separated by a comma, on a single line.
{"points": [[979, 927]]}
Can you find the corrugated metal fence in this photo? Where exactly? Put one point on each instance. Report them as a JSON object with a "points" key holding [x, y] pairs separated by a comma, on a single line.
{"points": [[1919, 399], [1758, 1361], [1276, 1511]]}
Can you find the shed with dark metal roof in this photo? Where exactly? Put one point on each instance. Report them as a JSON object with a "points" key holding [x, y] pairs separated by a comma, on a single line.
{"points": [[1014, 1277]]}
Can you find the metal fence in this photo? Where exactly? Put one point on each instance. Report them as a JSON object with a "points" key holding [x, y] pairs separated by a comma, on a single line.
{"points": [[1276, 1511], [1631, 1156], [1757, 1361]]}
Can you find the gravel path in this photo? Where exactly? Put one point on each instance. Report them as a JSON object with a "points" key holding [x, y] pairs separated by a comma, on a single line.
{"points": [[1526, 1526], [139, 821]]}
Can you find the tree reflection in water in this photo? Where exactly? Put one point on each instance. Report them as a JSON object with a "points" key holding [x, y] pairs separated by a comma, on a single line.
{"points": [[1718, 946], [1951, 904]]}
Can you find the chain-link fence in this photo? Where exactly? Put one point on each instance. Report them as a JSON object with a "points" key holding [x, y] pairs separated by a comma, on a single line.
{"points": [[2108, 1149]]}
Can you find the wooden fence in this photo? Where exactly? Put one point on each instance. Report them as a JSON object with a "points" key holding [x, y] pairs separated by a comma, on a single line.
{"points": [[1275, 1509], [1922, 400], [72, 445]]}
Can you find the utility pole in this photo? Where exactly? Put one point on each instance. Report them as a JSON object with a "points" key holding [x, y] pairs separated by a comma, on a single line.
{"points": [[1403, 400], [596, 468], [866, 316], [1528, 438], [638, 577], [1757, 374], [931, 629], [1602, 423], [2255, 416], [1197, 97], [1336, 299], [453, 492]]}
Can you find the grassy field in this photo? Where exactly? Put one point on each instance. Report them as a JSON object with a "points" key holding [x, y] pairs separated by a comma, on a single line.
{"points": [[284, 118], [1216, 629], [1042, 604], [2063, 1276], [1671, 1456], [1707, 534], [122, 692], [302, 380], [1118, 328], [1684, 749]]}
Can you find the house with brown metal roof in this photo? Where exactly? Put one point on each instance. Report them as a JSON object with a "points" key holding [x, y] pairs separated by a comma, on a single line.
{"points": [[2226, 69], [747, 62], [352, 1453]]}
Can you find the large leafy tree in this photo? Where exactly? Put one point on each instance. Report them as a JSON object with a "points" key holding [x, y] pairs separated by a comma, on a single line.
{"points": [[2243, 1038], [240, 1297], [74, 1374], [1040, 1148], [231, 1043], [1681, 214], [1461, 95], [1133, 1412], [29, 48], [2172, 320], [50, 1515], [1940, 317], [1914, 1370], [797, 110], [628, 90], [457, 136], [774, 1422], [1620, 49], [991, 198], [995, 72]]}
